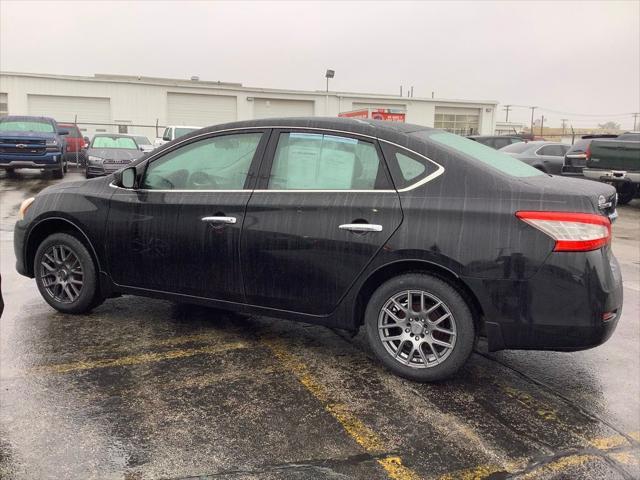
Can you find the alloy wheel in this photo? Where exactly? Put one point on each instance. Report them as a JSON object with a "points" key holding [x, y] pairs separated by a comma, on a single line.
{"points": [[417, 329], [61, 274]]}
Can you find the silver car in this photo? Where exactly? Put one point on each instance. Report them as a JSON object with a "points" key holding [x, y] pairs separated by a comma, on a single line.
{"points": [[108, 153], [545, 156]]}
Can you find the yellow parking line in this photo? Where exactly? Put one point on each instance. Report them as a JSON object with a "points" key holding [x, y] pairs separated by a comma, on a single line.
{"points": [[604, 444], [135, 359], [355, 428]]}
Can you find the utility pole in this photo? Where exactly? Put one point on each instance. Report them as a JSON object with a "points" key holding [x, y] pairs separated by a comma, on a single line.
{"points": [[564, 124], [532, 110], [506, 109], [635, 120], [542, 126]]}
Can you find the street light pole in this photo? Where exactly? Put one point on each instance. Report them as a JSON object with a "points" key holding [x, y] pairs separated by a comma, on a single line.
{"points": [[329, 74]]}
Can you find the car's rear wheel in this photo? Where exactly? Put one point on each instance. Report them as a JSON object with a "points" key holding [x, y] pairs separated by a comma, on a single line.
{"points": [[420, 327], [65, 274]]}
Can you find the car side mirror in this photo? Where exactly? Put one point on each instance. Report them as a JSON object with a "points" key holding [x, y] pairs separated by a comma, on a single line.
{"points": [[166, 138], [62, 131], [125, 178]]}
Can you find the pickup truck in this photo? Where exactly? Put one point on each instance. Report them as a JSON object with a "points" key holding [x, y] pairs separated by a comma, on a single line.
{"points": [[32, 142], [616, 161], [172, 132]]}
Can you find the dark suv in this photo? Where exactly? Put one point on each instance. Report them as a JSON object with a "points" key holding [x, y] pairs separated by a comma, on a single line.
{"points": [[426, 238]]}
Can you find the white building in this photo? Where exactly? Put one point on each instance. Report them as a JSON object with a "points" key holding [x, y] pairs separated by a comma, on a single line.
{"points": [[129, 104]]}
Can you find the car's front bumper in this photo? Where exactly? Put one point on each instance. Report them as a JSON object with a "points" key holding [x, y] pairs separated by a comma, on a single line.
{"points": [[101, 169], [19, 248], [46, 161], [560, 308]]}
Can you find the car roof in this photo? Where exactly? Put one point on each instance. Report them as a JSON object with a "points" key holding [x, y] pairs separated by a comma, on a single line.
{"points": [[375, 128]]}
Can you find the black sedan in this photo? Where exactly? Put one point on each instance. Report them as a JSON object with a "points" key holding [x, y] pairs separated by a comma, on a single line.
{"points": [[425, 238], [547, 157], [110, 152]]}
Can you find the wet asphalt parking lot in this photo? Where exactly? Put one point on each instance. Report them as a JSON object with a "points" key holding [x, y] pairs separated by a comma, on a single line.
{"points": [[145, 388]]}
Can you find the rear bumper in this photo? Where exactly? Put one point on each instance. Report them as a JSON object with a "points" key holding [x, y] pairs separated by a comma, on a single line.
{"points": [[613, 176], [560, 308], [46, 161]]}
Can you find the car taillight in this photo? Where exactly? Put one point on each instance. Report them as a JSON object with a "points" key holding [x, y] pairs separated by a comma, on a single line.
{"points": [[587, 153], [572, 232]]}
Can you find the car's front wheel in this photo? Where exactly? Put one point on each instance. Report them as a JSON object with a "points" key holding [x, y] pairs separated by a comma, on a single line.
{"points": [[626, 192], [420, 327], [65, 274]]}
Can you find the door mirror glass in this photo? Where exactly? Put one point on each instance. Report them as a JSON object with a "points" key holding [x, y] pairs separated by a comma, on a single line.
{"points": [[128, 177]]}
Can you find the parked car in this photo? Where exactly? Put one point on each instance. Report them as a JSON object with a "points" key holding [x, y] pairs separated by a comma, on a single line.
{"points": [[496, 141], [75, 145], [32, 142], [548, 157], [110, 152], [143, 142], [426, 238], [616, 161], [576, 157], [173, 132]]}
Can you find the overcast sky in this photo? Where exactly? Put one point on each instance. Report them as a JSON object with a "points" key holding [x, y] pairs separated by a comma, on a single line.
{"points": [[578, 60]]}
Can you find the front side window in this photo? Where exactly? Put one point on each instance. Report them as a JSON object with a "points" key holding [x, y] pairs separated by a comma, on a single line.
{"points": [[218, 163], [316, 161]]}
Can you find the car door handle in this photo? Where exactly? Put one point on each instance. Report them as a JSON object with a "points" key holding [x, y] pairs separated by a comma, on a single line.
{"points": [[230, 220], [361, 227]]}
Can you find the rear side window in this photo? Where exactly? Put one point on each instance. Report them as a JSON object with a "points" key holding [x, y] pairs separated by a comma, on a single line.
{"points": [[316, 161], [552, 150], [488, 156], [406, 167]]}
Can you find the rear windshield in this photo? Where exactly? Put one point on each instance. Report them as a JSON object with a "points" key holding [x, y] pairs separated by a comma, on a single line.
{"points": [[73, 131], [114, 142], [518, 147], [580, 145], [183, 131], [477, 151], [26, 126]]}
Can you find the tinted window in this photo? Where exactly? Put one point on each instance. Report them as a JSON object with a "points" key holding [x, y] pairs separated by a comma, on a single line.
{"points": [[406, 167], [142, 140], [315, 161], [501, 142], [219, 163], [552, 150], [518, 147], [515, 140], [635, 137], [580, 145], [73, 130], [481, 153]]}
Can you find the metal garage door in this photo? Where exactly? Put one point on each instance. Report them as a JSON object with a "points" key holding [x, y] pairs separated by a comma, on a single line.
{"points": [[460, 120], [274, 107], [200, 110], [65, 108]]}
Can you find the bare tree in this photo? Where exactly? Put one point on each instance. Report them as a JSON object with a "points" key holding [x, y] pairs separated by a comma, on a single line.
{"points": [[609, 126]]}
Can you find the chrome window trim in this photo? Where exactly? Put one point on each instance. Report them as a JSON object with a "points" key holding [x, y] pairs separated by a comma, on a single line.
{"points": [[439, 170]]}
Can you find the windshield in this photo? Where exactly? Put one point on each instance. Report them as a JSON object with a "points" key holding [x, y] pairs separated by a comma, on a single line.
{"points": [[142, 141], [580, 145], [477, 151], [518, 147], [183, 131], [26, 126], [114, 142]]}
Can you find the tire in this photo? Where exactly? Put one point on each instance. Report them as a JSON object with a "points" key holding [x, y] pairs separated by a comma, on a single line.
{"points": [[626, 193], [65, 256], [442, 362], [11, 173]]}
